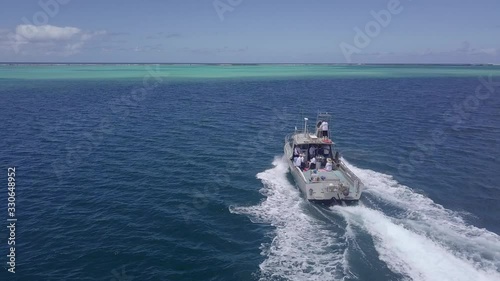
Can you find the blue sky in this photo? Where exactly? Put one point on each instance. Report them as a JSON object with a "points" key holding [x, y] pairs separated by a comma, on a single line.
{"points": [[280, 31]]}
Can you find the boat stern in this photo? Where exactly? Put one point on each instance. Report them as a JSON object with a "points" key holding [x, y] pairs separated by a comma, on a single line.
{"points": [[332, 192]]}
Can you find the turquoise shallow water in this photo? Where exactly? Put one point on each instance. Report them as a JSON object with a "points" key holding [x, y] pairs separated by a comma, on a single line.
{"points": [[118, 179], [176, 72]]}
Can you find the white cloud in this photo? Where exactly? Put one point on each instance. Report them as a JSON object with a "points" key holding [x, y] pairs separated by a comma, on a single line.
{"points": [[46, 32], [46, 40]]}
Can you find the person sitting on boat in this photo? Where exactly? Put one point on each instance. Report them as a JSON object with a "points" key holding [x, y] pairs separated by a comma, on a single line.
{"points": [[329, 164], [324, 129], [312, 163]]}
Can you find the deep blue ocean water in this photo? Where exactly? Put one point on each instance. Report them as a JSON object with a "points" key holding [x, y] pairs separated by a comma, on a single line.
{"points": [[186, 181]]}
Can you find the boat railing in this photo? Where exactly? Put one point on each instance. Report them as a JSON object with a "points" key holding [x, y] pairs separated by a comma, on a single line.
{"points": [[302, 174], [351, 176]]}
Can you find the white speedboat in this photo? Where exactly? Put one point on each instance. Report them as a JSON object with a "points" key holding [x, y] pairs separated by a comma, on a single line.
{"points": [[320, 174]]}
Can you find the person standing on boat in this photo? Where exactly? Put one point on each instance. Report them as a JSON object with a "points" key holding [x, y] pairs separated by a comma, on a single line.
{"points": [[318, 128], [296, 152], [324, 129], [302, 162], [298, 161], [326, 150], [312, 151]]}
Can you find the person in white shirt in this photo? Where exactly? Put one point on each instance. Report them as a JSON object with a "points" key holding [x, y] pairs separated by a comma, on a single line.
{"points": [[318, 128], [298, 161], [312, 163], [324, 129], [329, 165]]}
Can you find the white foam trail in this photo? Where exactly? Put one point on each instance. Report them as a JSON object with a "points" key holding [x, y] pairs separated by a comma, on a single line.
{"points": [[303, 248], [410, 254], [480, 248]]}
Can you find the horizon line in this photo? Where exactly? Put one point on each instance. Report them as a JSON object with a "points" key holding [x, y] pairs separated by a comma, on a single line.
{"points": [[242, 63]]}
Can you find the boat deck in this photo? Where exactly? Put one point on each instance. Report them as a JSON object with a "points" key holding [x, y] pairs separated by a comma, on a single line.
{"points": [[328, 175], [311, 139]]}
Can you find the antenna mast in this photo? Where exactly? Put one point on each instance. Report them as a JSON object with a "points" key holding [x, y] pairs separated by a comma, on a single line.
{"points": [[305, 126]]}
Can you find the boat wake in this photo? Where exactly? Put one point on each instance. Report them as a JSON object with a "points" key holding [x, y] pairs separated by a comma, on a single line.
{"points": [[415, 237], [423, 241], [302, 247]]}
